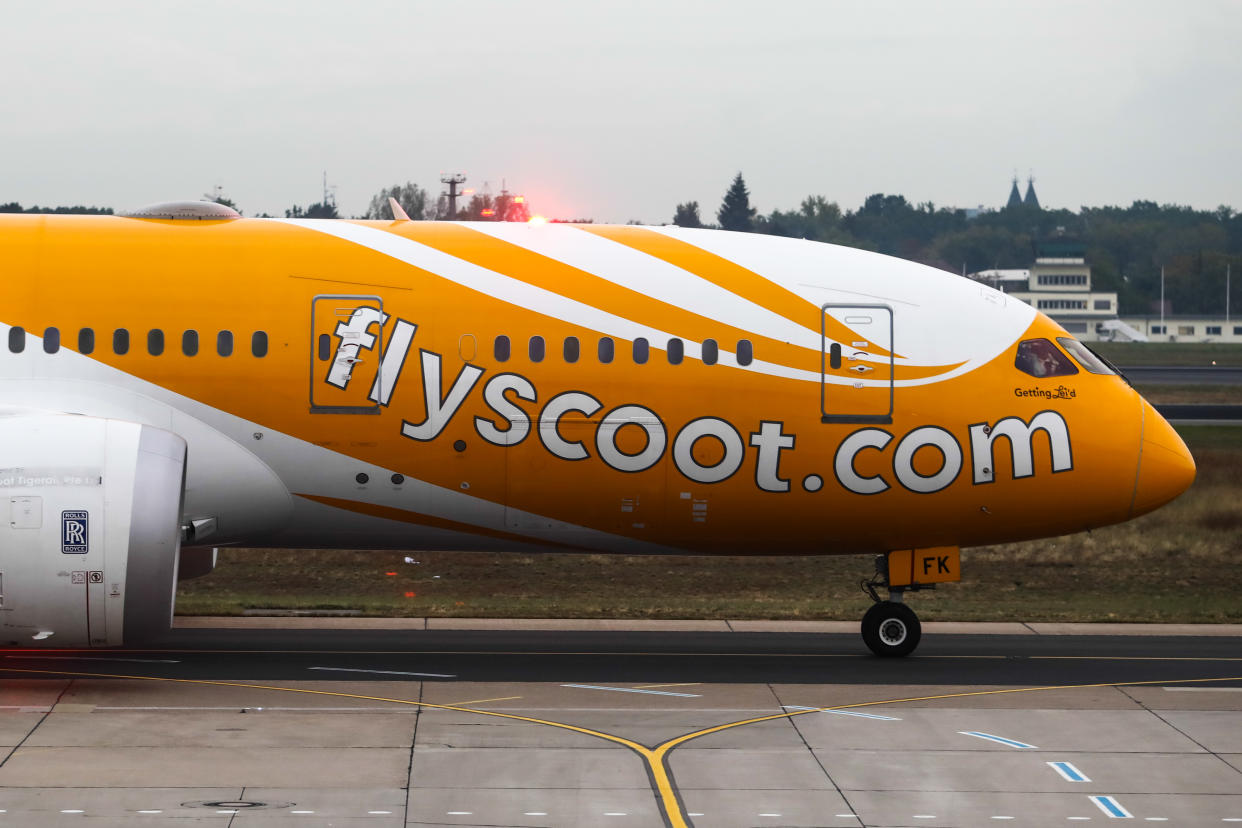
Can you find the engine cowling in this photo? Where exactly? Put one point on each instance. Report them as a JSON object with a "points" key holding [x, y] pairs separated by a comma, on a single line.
{"points": [[90, 514]]}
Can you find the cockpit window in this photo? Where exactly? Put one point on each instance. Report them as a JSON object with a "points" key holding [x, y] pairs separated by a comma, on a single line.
{"points": [[1084, 356], [1040, 358]]}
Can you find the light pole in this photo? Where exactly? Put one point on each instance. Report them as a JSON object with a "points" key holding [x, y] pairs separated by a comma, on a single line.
{"points": [[1163, 329]]}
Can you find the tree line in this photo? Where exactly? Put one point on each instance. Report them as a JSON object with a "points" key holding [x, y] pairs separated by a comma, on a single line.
{"points": [[1126, 246]]}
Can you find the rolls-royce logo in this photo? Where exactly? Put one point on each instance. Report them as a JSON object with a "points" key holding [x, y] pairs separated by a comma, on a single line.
{"points": [[73, 532]]}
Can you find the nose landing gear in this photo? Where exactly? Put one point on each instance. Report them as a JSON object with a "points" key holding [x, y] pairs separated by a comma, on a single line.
{"points": [[890, 629]]}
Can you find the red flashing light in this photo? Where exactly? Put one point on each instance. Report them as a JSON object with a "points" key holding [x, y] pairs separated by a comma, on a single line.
{"points": [[487, 212], [409, 595], [390, 574], [519, 199]]}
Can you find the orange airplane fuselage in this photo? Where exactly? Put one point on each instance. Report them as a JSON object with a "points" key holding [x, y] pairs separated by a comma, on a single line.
{"points": [[620, 389]]}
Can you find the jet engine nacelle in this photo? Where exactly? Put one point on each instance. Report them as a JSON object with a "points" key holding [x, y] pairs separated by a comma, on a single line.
{"points": [[89, 530]]}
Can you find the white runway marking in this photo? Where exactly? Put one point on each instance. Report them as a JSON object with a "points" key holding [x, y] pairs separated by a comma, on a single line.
{"points": [[382, 672], [1202, 689], [844, 713], [1013, 743], [632, 690], [95, 658]]}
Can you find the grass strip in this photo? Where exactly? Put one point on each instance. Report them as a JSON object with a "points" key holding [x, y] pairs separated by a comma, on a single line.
{"points": [[1186, 354]]}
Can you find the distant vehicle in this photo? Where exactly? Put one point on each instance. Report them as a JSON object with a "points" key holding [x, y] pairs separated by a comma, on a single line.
{"points": [[182, 378]]}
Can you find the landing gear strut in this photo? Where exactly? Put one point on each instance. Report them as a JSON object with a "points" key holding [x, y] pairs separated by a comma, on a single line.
{"points": [[890, 629]]}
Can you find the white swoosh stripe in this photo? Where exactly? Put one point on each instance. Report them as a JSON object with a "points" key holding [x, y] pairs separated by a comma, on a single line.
{"points": [[984, 322], [652, 277], [549, 303], [523, 294]]}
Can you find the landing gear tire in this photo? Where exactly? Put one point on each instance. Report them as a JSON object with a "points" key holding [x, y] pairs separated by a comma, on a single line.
{"points": [[891, 630]]}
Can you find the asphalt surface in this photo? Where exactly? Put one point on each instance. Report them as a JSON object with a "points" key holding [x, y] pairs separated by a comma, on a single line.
{"points": [[1200, 413], [1183, 375], [630, 656]]}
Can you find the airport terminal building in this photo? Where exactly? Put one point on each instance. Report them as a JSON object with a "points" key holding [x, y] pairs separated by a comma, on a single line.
{"points": [[1058, 283]]}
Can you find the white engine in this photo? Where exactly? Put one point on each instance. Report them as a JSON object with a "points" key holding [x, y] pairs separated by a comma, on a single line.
{"points": [[90, 513]]}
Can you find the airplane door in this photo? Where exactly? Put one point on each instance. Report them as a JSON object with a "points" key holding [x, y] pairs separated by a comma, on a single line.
{"points": [[346, 344], [857, 366]]}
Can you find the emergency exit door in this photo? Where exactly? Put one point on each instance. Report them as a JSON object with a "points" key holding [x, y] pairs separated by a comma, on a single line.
{"points": [[347, 334], [857, 375]]}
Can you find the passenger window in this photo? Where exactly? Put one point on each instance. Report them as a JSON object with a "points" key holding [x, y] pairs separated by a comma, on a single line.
{"points": [[155, 342], [535, 349], [745, 352], [86, 340], [1040, 358], [17, 340], [641, 351], [325, 347], [224, 343], [676, 351], [711, 352], [571, 349], [120, 342], [189, 343], [51, 340], [1085, 357], [606, 350], [500, 349], [258, 344]]}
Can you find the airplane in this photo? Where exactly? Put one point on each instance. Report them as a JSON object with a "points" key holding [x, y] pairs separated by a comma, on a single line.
{"points": [[179, 378]]}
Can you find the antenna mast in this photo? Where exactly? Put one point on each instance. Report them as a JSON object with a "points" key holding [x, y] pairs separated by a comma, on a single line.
{"points": [[452, 180]]}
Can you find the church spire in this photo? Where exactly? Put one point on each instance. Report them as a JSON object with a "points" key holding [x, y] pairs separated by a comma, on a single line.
{"points": [[1031, 200], [1015, 198]]}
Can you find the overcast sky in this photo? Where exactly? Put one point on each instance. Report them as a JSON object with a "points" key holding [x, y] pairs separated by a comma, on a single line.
{"points": [[619, 111]]}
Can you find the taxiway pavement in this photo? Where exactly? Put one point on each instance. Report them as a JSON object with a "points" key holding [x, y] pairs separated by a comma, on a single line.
{"points": [[657, 724]]}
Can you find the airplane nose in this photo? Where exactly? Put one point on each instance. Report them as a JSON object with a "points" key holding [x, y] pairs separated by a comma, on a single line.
{"points": [[1166, 468]]}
